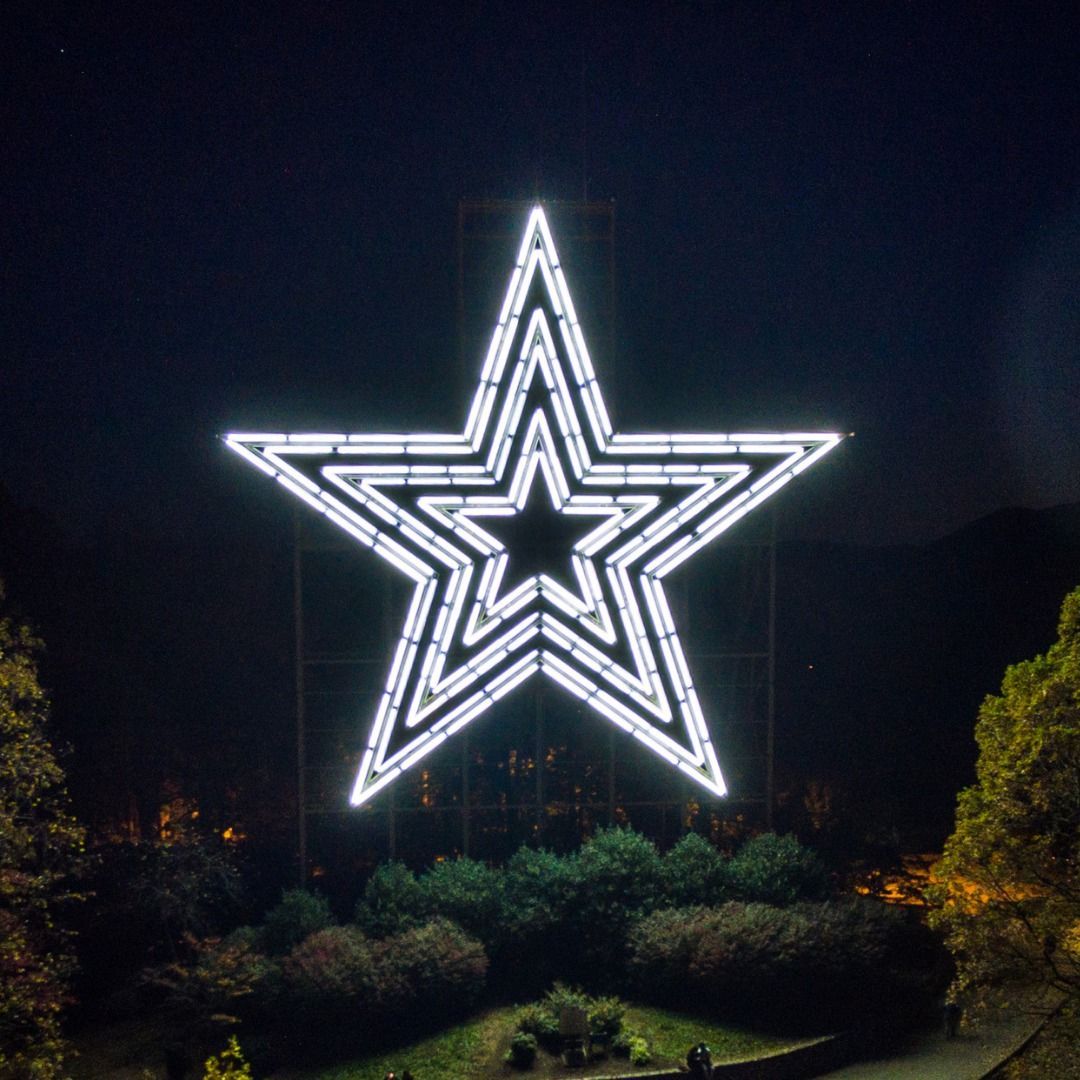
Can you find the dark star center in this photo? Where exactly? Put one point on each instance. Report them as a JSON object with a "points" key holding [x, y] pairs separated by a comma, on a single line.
{"points": [[538, 540]]}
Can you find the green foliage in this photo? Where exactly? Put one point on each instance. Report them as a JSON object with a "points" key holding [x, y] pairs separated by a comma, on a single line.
{"points": [[544, 916], [298, 915], [522, 1052], [694, 872], [1008, 885], [773, 869], [616, 874], [606, 1016], [639, 1051], [42, 853], [561, 996], [534, 888], [393, 901], [536, 1019], [530, 930], [824, 963], [466, 892], [612, 880], [541, 1018], [228, 1065]]}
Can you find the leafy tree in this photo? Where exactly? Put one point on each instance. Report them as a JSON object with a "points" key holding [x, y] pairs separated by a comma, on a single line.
{"points": [[1008, 884], [164, 892], [41, 855]]}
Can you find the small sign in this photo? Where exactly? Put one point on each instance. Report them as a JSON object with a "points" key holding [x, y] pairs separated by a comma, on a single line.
{"points": [[573, 1022]]}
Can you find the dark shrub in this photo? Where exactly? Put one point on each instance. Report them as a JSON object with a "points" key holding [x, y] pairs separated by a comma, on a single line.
{"points": [[435, 971], [694, 872], [393, 901], [620, 1045], [662, 946], [535, 1019], [817, 964], [161, 893], [606, 1016], [331, 973], [298, 915], [354, 991], [466, 892], [773, 869], [522, 1052]]}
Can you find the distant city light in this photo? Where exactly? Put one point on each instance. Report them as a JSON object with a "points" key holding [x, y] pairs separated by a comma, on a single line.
{"points": [[419, 500]]}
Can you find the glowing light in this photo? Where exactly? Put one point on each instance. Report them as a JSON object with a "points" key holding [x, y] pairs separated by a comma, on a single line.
{"points": [[420, 501]]}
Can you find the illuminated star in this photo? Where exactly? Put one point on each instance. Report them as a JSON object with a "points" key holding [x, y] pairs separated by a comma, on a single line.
{"points": [[429, 505]]}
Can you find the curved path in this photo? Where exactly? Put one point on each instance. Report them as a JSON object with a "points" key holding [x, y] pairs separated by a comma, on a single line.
{"points": [[974, 1054]]}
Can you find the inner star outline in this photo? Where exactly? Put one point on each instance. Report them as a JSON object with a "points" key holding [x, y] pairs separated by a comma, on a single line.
{"points": [[419, 501]]}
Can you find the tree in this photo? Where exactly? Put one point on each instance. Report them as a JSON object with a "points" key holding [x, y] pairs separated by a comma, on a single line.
{"points": [[42, 852], [165, 892], [1008, 885]]}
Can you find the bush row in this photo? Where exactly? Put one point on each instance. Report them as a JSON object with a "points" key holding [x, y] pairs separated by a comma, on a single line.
{"points": [[811, 965], [352, 989], [546, 916]]}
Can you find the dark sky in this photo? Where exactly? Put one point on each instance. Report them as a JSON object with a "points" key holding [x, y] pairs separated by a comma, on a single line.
{"points": [[862, 218]]}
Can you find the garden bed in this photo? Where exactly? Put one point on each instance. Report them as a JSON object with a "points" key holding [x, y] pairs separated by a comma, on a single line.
{"points": [[476, 1050], [473, 1050]]}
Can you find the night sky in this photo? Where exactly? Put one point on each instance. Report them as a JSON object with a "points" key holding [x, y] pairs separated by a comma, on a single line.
{"points": [[864, 219]]}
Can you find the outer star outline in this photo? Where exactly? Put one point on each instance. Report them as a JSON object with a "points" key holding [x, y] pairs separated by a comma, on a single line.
{"points": [[414, 500]]}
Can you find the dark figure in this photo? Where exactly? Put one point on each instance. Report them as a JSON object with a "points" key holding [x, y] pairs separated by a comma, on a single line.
{"points": [[406, 1075], [699, 1061], [952, 1019]]}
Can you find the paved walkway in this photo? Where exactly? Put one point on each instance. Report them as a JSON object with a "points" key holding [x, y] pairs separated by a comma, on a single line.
{"points": [[972, 1055]]}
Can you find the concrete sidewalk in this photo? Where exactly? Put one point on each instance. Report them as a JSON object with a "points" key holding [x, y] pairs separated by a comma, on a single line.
{"points": [[972, 1055]]}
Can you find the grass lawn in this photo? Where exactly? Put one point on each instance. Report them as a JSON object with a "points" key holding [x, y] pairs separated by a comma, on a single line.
{"points": [[474, 1050]]}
